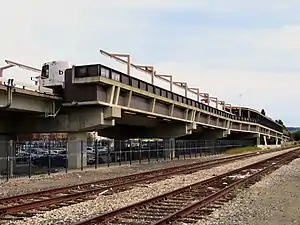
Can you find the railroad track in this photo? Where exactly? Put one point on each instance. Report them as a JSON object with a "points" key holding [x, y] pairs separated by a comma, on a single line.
{"points": [[193, 202], [26, 205]]}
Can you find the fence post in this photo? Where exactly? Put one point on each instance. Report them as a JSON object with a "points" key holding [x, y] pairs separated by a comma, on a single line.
{"points": [[156, 150], [196, 147], [164, 149], [130, 152], [7, 162], [49, 158], [67, 157], [30, 160], [108, 152], [171, 148], [190, 148], [140, 152], [96, 154], [149, 151], [184, 148], [81, 155], [120, 152], [125, 151], [177, 147]]}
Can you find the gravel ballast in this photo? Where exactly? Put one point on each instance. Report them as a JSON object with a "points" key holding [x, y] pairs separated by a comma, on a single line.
{"points": [[275, 200], [62, 179], [73, 213]]}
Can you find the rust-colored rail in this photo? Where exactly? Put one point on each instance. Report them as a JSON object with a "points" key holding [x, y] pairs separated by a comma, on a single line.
{"points": [[55, 198], [130, 177], [180, 204]]}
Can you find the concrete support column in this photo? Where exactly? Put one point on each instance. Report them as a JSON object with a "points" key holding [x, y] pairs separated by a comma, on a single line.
{"points": [[258, 140], [265, 140], [7, 154], [169, 147], [77, 146], [12, 153]]}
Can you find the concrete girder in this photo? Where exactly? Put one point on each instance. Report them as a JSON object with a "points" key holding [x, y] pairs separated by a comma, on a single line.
{"points": [[31, 102], [79, 119], [164, 131], [206, 134]]}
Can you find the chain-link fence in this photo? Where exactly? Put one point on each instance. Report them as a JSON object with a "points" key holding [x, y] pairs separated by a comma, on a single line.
{"points": [[46, 157]]}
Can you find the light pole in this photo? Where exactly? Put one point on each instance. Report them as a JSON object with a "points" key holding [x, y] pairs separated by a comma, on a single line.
{"points": [[22, 66], [166, 77], [148, 69], [120, 57], [195, 91], [222, 103], [206, 97], [215, 100], [2, 69], [228, 106], [184, 85]]}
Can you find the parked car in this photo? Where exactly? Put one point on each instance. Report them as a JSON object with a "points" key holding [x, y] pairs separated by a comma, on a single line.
{"points": [[56, 160], [38, 152], [58, 151], [22, 157], [102, 153]]}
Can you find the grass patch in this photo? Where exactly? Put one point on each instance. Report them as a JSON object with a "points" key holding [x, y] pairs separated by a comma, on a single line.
{"points": [[242, 150]]}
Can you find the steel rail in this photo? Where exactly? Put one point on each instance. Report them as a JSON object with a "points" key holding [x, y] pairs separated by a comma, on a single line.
{"points": [[154, 175], [109, 216], [86, 191]]}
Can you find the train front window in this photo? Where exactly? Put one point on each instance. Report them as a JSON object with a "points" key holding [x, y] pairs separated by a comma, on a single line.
{"points": [[45, 72]]}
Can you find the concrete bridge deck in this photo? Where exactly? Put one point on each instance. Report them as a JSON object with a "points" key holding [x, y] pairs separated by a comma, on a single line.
{"points": [[27, 100], [121, 107], [131, 101], [99, 98]]}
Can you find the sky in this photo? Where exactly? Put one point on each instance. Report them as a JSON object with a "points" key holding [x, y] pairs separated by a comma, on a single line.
{"points": [[243, 52]]}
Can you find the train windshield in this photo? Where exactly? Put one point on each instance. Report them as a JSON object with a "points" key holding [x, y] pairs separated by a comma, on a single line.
{"points": [[45, 72]]}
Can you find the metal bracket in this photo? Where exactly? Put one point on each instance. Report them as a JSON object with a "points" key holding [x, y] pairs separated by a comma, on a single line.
{"points": [[54, 112]]}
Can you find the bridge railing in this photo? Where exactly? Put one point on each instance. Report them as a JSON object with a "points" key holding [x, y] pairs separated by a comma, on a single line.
{"points": [[27, 86]]}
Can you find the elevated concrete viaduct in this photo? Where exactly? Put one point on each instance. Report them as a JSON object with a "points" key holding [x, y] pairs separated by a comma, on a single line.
{"points": [[121, 107]]}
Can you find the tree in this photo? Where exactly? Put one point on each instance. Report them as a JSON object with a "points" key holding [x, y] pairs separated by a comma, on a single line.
{"points": [[296, 135], [263, 112], [280, 122]]}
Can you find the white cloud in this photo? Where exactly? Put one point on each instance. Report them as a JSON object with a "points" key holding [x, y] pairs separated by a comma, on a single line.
{"points": [[285, 39], [206, 5], [261, 63]]}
